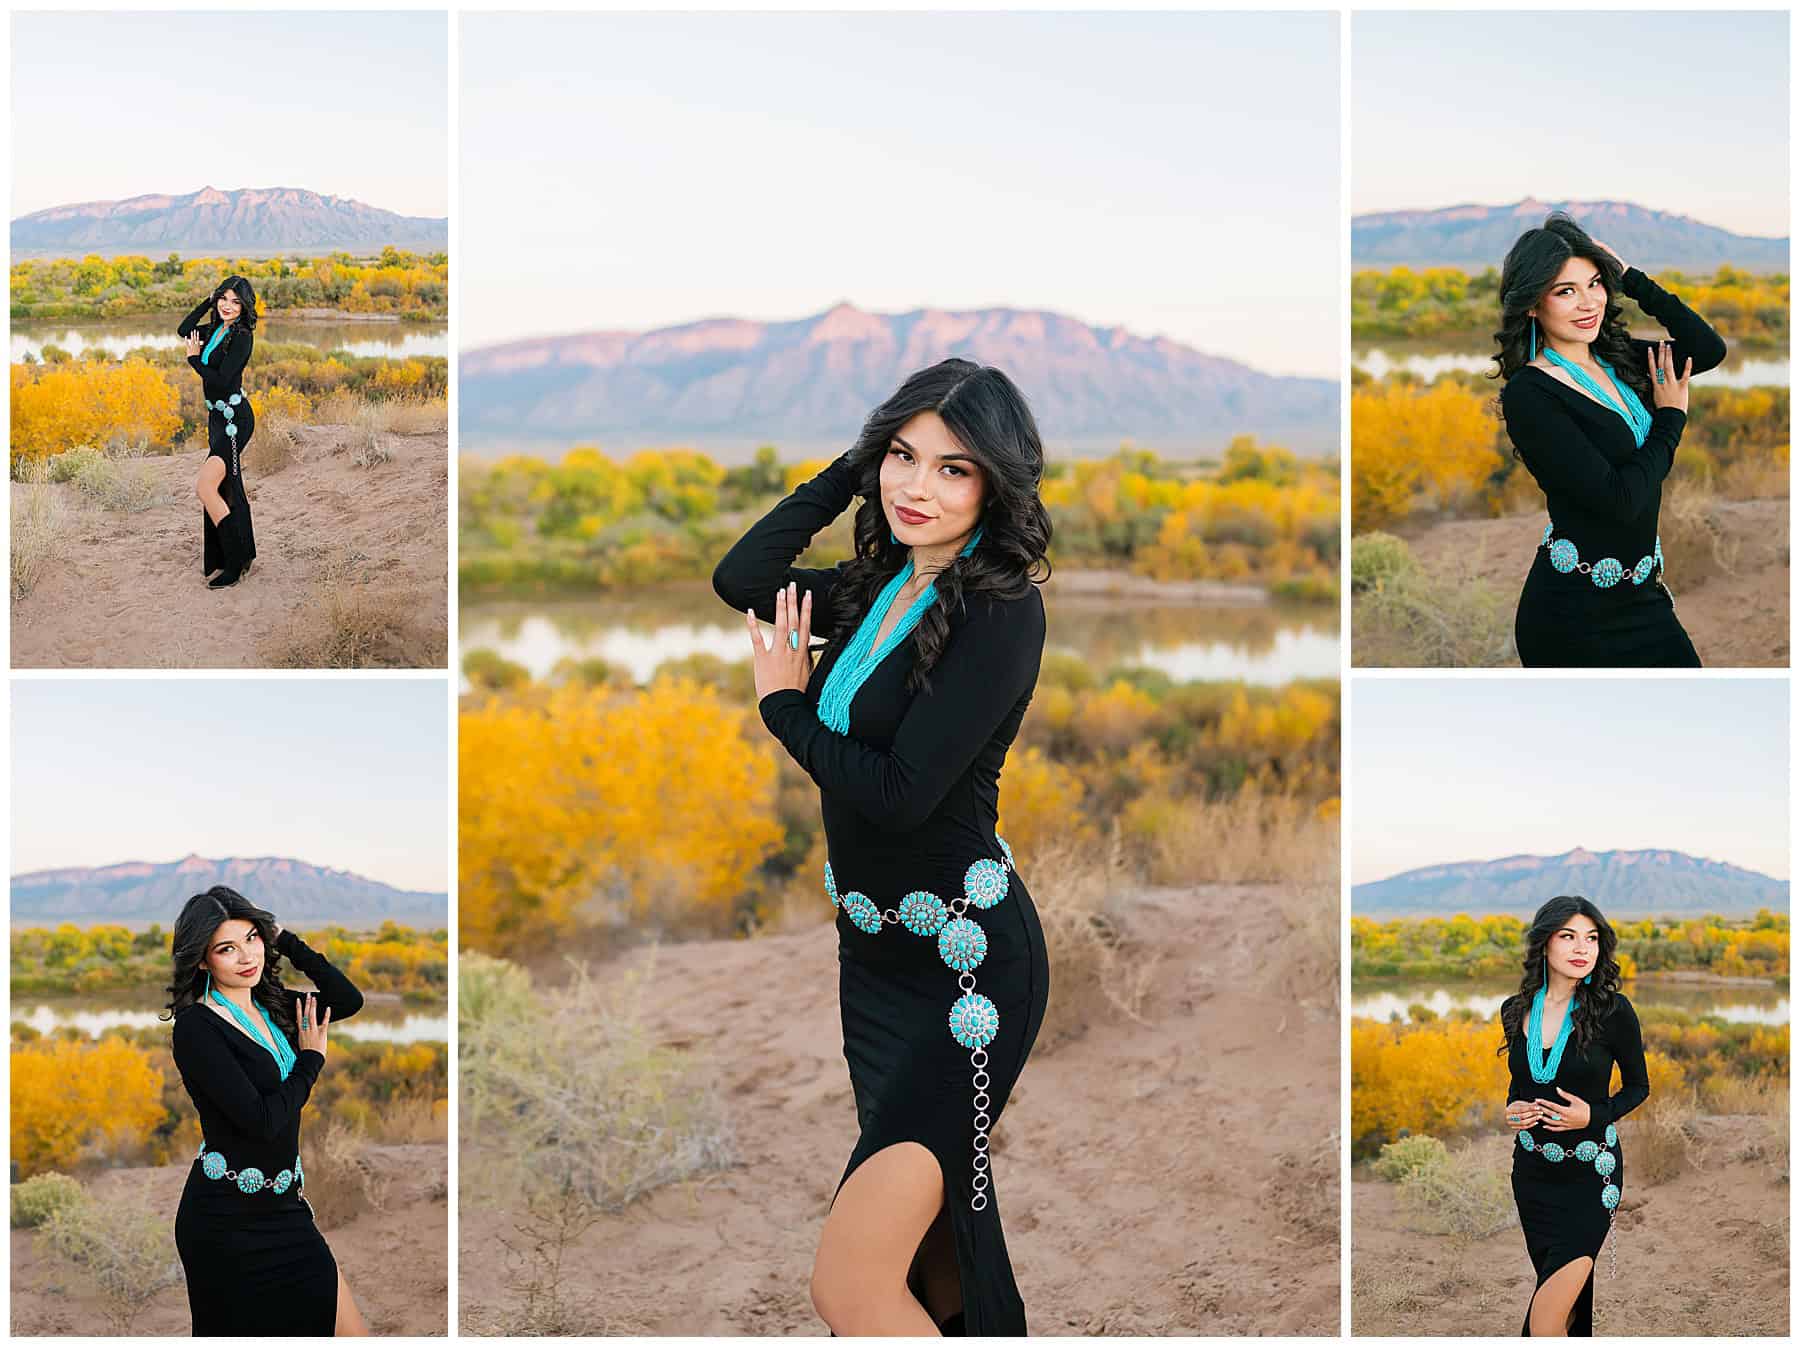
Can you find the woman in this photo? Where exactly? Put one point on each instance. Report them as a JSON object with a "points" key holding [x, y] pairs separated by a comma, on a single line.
{"points": [[934, 631], [249, 1056], [1565, 1029], [218, 351], [1574, 402]]}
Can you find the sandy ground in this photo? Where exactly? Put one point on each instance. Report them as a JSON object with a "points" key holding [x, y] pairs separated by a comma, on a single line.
{"points": [[395, 1261], [130, 593], [1702, 1255], [1174, 1177], [1736, 620]]}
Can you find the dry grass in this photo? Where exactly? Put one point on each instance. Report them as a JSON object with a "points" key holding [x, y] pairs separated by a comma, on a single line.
{"points": [[411, 416], [1468, 1194], [124, 484], [410, 1121], [41, 523], [1758, 475], [1249, 838], [1696, 545], [1098, 969], [1662, 1137], [271, 447], [1306, 1196], [368, 444], [1403, 616], [345, 624], [126, 1250], [341, 1182]]}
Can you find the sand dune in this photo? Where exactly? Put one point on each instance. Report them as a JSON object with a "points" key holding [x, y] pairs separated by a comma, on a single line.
{"points": [[351, 568], [1702, 1255], [394, 1260], [1173, 1177]]}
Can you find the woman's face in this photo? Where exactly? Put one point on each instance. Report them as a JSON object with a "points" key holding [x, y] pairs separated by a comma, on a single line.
{"points": [[229, 306], [931, 489], [234, 955], [1573, 306], [1574, 949]]}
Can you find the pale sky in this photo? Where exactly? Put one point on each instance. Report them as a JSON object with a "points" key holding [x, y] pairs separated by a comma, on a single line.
{"points": [[348, 103], [1470, 769], [1677, 111], [345, 772], [1174, 173]]}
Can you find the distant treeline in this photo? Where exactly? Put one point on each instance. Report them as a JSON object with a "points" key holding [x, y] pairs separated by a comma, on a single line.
{"points": [[1260, 515], [1463, 946], [409, 285], [1448, 304], [79, 959]]}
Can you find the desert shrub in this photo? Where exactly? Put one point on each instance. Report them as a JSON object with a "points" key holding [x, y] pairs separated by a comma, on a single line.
{"points": [[41, 1196], [1468, 1194], [125, 1249], [41, 522], [1400, 1158], [122, 483], [1404, 616]]}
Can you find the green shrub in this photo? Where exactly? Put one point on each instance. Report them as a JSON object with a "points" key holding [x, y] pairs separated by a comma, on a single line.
{"points": [[1409, 1154], [41, 1196], [1467, 1195], [124, 1248], [1376, 559]]}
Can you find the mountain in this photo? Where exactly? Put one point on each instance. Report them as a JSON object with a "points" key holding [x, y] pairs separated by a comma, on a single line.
{"points": [[730, 384], [1620, 883], [1477, 237], [248, 220], [136, 893]]}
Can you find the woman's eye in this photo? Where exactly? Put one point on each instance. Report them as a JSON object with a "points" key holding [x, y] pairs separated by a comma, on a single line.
{"points": [[953, 470]]}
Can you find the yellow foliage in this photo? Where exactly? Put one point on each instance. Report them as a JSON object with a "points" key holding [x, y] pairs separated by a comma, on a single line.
{"points": [[60, 406], [1437, 446], [280, 400], [1435, 1078], [69, 1096], [1040, 803], [586, 798]]}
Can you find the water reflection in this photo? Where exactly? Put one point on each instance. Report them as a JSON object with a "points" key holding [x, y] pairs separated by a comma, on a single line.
{"points": [[1427, 362], [1736, 1004], [117, 336], [374, 1024], [1257, 642]]}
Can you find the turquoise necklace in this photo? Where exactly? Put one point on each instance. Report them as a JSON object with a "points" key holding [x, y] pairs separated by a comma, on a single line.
{"points": [[274, 1041], [1544, 1068], [217, 337], [1627, 405], [861, 654]]}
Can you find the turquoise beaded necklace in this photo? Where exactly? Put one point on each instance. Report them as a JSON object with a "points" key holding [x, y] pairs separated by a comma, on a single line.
{"points": [[861, 654], [217, 337], [1544, 1068], [274, 1040], [1627, 405]]}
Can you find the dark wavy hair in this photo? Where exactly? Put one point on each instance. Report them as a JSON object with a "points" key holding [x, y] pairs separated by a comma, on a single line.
{"points": [[200, 917], [1531, 267], [989, 419], [246, 296], [1593, 1000]]}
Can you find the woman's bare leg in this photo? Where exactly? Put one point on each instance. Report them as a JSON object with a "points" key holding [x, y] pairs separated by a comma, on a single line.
{"points": [[349, 1319], [212, 473], [1554, 1303], [859, 1281]]}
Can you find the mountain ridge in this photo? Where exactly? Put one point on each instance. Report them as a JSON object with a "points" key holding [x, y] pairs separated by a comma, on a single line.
{"points": [[1641, 882], [1477, 236], [809, 382], [136, 891], [239, 220]]}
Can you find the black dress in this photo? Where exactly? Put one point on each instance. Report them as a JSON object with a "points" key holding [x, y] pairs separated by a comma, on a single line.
{"points": [[1562, 1181], [256, 1264], [909, 800], [221, 379], [1604, 493]]}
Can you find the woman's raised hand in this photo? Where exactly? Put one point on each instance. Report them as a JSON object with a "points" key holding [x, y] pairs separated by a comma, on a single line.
{"points": [[193, 341], [784, 661], [1665, 387], [1613, 253], [311, 1031]]}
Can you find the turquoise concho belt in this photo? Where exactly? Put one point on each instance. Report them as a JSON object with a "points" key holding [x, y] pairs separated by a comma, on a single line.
{"points": [[224, 406], [962, 945], [1606, 572], [1604, 1159], [214, 1165]]}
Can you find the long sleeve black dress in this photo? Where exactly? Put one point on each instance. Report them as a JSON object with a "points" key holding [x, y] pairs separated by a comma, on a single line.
{"points": [[230, 422], [1604, 493], [1568, 1183], [255, 1262], [909, 800]]}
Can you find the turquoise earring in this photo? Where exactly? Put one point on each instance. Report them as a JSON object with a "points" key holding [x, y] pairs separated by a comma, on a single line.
{"points": [[1533, 356], [1588, 978]]}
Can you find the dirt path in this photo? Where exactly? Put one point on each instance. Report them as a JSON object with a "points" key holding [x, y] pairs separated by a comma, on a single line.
{"points": [[1736, 619], [1174, 1177], [1703, 1255], [394, 1260], [348, 558]]}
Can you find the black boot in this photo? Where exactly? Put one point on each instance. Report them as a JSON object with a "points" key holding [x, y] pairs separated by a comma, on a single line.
{"points": [[228, 574]]}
